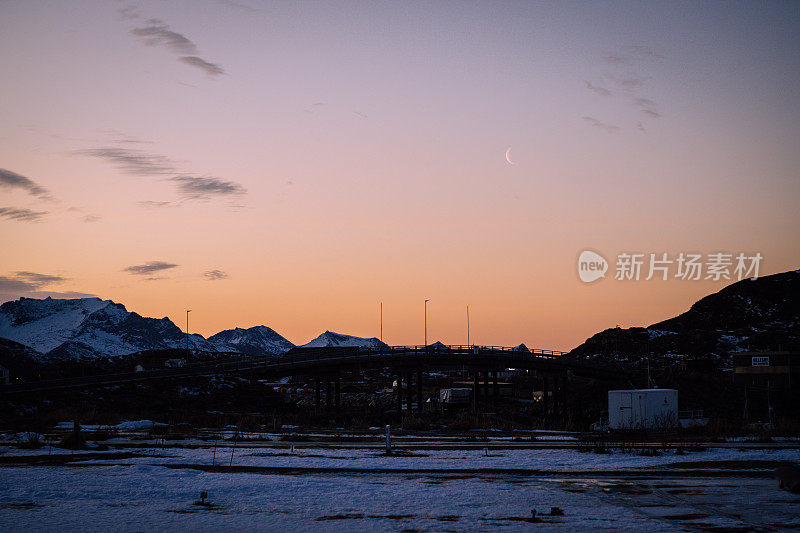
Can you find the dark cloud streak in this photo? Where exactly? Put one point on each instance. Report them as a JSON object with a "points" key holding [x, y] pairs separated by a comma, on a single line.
{"points": [[214, 275], [158, 33], [212, 69], [142, 163], [602, 91], [152, 204], [22, 215], [608, 128], [193, 188], [39, 279], [133, 161], [31, 285], [149, 268], [12, 180]]}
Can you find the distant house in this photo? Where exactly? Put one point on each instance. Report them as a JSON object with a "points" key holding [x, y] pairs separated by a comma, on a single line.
{"points": [[174, 363], [5, 376], [767, 370]]}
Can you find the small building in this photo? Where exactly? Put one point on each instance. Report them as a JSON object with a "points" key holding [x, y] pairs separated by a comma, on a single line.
{"points": [[174, 363], [454, 396], [772, 370], [5, 376], [642, 408]]}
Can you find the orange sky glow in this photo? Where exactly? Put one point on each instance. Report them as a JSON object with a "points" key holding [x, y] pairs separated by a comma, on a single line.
{"points": [[315, 160]]}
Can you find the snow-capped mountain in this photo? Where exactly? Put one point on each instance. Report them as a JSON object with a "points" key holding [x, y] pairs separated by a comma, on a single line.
{"points": [[258, 340], [45, 324], [87, 328], [329, 338]]}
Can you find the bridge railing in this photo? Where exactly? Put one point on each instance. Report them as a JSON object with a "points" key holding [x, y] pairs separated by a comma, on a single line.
{"points": [[471, 349]]}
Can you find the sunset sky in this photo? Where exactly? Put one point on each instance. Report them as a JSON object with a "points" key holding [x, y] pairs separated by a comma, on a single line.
{"points": [[294, 164]]}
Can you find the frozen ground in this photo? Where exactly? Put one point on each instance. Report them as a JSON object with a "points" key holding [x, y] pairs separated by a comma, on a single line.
{"points": [[142, 493]]}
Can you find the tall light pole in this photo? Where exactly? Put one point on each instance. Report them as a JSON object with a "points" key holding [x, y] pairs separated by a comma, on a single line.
{"points": [[426, 321], [187, 330], [381, 321], [467, 325]]}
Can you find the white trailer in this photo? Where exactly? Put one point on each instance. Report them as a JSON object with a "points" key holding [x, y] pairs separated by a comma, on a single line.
{"points": [[642, 408]]}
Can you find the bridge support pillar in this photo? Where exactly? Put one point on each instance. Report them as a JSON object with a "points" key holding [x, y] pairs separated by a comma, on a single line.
{"points": [[317, 391], [400, 394], [495, 386], [545, 399], [486, 387], [409, 392], [475, 390], [419, 390], [338, 393], [556, 400], [328, 395]]}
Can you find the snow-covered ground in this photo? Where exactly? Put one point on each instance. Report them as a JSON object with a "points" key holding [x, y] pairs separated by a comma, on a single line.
{"points": [[552, 460], [142, 493]]}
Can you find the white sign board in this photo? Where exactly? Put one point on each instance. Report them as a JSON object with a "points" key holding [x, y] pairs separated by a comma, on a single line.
{"points": [[760, 361]]}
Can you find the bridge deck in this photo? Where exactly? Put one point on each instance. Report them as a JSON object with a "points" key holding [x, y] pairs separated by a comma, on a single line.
{"points": [[334, 359]]}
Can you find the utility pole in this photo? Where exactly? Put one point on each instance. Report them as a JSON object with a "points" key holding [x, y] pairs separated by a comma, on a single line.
{"points": [[468, 325], [187, 331], [426, 322], [381, 321]]}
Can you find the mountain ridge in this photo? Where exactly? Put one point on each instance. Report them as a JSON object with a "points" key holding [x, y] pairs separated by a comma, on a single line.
{"points": [[761, 314], [331, 338], [89, 328]]}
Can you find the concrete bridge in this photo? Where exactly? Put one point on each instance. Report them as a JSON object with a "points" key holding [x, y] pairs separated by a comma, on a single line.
{"points": [[326, 366]]}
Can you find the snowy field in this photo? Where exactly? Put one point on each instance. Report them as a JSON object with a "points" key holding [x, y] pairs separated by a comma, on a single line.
{"points": [[327, 493]]}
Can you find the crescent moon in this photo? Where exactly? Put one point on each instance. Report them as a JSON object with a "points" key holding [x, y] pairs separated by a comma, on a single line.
{"points": [[508, 156]]}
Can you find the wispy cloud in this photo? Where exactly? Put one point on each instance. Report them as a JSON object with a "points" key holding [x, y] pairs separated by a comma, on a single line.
{"points": [[22, 215], [608, 128], [12, 180], [212, 69], [150, 268], [34, 285], [133, 161], [90, 218], [157, 33], [39, 279], [602, 91], [120, 137], [626, 73], [129, 13], [647, 106], [214, 275], [193, 188], [629, 80], [238, 5], [628, 55], [644, 102], [142, 163], [152, 204]]}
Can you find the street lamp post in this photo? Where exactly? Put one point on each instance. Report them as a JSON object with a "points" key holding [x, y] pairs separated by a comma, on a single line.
{"points": [[467, 325], [426, 322]]}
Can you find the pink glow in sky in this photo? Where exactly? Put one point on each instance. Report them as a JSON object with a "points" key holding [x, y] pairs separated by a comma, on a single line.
{"points": [[294, 164]]}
